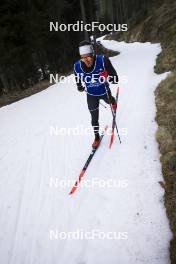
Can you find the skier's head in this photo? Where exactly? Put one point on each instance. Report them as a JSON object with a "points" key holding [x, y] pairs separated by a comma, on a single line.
{"points": [[86, 52]]}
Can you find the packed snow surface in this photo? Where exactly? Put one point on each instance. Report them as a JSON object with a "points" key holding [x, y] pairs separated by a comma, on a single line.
{"points": [[41, 152]]}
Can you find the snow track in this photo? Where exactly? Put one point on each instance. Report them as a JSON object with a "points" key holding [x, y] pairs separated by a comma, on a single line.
{"points": [[29, 157]]}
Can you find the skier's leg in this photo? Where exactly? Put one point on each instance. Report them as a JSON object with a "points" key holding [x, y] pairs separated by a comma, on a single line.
{"points": [[108, 97], [93, 106], [105, 97]]}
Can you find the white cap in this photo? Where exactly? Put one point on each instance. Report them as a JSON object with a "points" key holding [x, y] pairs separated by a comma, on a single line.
{"points": [[86, 49]]}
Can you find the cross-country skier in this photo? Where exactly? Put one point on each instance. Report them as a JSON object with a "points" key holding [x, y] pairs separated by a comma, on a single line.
{"points": [[91, 73]]}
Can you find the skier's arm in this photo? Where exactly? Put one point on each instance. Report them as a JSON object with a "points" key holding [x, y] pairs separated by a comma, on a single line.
{"points": [[78, 83], [113, 77]]}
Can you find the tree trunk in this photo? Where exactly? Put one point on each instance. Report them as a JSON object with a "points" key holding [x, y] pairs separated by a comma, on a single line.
{"points": [[4, 81], [86, 35]]}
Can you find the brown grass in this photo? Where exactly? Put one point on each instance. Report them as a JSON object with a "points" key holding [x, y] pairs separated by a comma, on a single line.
{"points": [[15, 96], [166, 137]]}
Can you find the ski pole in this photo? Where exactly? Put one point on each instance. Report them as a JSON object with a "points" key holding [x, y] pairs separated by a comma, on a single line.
{"points": [[103, 105], [113, 114]]}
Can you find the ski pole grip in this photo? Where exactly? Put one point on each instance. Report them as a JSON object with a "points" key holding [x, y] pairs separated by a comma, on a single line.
{"points": [[104, 74]]}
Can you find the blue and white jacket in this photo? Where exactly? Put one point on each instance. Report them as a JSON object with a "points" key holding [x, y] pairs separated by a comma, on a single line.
{"points": [[93, 84]]}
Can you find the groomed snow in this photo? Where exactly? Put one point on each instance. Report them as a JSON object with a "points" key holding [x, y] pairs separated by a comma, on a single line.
{"points": [[33, 208]]}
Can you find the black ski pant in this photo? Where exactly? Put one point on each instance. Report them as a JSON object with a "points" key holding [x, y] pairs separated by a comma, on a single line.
{"points": [[93, 106]]}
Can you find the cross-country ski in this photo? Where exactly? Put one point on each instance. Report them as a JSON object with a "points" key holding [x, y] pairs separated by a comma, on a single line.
{"points": [[87, 163]]}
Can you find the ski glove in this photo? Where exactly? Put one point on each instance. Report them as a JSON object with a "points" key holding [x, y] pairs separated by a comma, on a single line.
{"points": [[81, 88]]}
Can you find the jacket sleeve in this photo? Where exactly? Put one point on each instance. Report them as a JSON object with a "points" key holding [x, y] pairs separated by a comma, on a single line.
{"points": [[113, 77], [78, 82]]}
